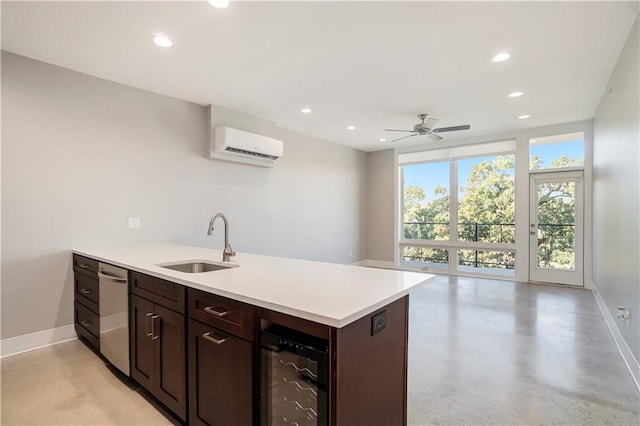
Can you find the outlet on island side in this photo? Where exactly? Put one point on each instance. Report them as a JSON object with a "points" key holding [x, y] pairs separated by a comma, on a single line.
{"points": [[134, 222], [378, 322]]}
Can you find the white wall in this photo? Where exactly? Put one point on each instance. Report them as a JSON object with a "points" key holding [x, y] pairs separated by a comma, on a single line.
{"points": [[80, 155], [616, 184], [380, 206]]}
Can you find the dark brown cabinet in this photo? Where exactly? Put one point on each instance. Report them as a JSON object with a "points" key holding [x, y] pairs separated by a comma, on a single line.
{"points": [[220, 380], [221, 360], [86, 304], [158, 345]]}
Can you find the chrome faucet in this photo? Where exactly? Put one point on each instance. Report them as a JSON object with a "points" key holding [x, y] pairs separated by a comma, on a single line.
{"points": [[228, 251]]}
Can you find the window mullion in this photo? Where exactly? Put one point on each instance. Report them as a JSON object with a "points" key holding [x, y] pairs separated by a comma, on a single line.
{"points": [[453, 214]]}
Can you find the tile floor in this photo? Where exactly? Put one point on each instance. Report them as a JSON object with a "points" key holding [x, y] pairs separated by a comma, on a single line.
{"points": [[480, 352]]}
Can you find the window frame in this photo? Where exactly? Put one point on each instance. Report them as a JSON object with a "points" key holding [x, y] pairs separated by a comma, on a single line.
{"points": [[453, 244]]}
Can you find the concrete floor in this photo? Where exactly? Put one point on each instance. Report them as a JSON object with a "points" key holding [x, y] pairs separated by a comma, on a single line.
{"points": [[480, 352], [502, 353]]}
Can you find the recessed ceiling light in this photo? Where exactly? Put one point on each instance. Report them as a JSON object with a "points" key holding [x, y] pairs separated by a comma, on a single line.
{"points": [[522, 117], [515, 94], [162, 40], [382, 139], [351, 127], [305, 110], [220, 4], [500, 57]]}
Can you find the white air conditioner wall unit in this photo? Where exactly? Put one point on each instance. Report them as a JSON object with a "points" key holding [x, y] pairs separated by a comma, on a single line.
{"points": [[236, 145]]}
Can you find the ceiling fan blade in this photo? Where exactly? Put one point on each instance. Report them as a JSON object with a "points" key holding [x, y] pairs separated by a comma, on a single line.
{"points": [[430, 123], [452, 128], [396, 130], [434, 137], [404, 137]]}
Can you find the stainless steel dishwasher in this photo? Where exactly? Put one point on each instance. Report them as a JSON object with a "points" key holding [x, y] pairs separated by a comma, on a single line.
{"points": [[114, 315]]}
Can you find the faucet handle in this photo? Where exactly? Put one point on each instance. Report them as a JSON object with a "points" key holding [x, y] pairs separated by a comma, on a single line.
{"points": [[229, 250]]}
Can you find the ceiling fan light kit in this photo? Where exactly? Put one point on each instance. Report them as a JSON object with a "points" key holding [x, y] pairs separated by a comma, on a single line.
{"points": [[426, 128]]}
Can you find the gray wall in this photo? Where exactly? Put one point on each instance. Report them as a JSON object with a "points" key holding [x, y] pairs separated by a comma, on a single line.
{"points": [[80, 155], [380, 206], [616, 187]]}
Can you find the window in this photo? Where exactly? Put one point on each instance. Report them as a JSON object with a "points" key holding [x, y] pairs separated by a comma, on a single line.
{"points": [[559, 151], [458, 214], [486, 261], [426, 201], [486, 199], [425, 257]]}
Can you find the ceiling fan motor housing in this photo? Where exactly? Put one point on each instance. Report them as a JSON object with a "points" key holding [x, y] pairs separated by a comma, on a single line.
{"points": [[421, 128]]}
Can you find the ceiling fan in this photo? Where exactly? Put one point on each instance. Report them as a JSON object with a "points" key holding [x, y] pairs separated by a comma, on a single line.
{"points": [[426, 128]]}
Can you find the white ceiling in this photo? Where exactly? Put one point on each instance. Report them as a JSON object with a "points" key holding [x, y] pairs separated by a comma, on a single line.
{"points": [[371, 64]]}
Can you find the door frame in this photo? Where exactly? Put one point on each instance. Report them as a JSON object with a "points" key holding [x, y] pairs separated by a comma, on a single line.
{"points": [[573, 277]]}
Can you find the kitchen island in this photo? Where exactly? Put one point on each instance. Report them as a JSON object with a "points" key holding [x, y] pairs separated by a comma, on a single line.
{"points": [[213, 323]]}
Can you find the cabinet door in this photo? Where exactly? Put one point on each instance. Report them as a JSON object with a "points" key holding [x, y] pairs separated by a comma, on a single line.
{"points": [[170, 362], [220, 377], [142, 347]]}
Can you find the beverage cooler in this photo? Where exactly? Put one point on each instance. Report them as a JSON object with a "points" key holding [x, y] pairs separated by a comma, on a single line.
{"points": [[294, 378]]}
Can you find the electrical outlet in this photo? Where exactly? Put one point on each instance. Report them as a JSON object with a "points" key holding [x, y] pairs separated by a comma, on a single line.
{"points": [[623, 313], [134, 222], [378, 322]]}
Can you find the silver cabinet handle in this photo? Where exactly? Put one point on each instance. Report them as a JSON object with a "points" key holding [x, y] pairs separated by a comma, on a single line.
{"points": [[148, 328], [104, 276], [217, 340], [153, 327], [85, 291], [83, 266], [85, 323], [216, 311]]}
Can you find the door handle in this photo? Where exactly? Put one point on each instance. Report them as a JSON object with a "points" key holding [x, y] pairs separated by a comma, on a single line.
{"points": [[533, 232], [148, 328], [217, 340], [153, 327], [108, 277]]}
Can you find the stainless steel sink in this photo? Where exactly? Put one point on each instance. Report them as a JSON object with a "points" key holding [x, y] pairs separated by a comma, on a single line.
{"points": [[195, 267]]}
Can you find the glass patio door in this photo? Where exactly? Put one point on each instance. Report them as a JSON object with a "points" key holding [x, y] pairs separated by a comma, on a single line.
{"points": [[556, 228]]}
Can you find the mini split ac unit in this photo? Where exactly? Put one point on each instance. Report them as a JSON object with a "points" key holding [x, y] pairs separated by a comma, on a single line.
{"points": [[236, 145]]}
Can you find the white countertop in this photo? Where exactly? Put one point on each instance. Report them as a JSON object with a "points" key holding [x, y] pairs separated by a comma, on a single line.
{"points": [[328, 293]]}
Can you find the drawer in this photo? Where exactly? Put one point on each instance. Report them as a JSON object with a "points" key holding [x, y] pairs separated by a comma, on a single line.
{"points": [[168, 294], [87, 319], [234, 317], [87, 287], [85, 265]]}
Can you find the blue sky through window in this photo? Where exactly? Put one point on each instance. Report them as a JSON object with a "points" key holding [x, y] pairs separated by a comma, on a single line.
{"points": [[428, 175]]}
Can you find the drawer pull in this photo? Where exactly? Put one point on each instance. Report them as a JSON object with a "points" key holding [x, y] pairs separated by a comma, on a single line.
{"points": [[85, 323], [83, 265], [216, 311], [217, 340], [85, 291]]}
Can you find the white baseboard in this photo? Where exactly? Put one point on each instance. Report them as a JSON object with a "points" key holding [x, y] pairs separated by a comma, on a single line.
{"points": [[623, 348], [370, 263], [28, 342]]}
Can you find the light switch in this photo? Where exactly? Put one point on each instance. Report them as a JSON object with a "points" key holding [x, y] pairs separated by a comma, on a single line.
{"points": [[134, 222]]}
